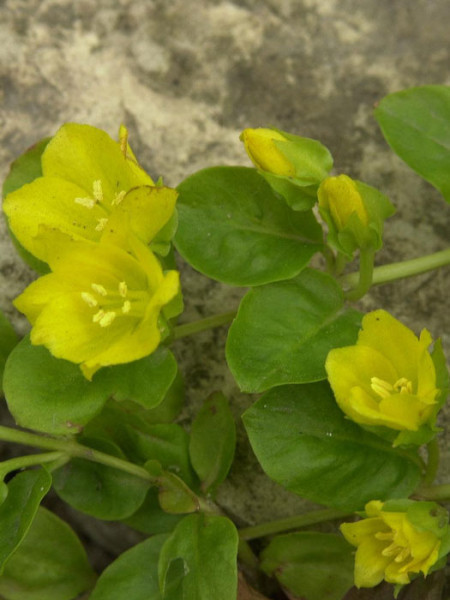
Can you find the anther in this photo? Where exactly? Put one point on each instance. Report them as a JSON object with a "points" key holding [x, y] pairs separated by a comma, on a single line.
{"points": [[107, 318], [98, 316], [118, 198], [98, 191], [403, 385], [126, 307], [123, 289], [101, 224], [89, 299], [390, 550], [87, 202], [403, 555], [99, 289], [381, 387]]}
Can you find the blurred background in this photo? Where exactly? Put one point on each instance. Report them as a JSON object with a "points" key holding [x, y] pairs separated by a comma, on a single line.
{"points": [[186, 76]]}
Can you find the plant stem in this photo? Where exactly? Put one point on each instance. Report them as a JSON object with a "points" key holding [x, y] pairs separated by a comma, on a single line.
{"points": [[31, 460], [311, 518], [434, 492], [365, 277], [246, 555], [74, 449], [403, 269], [432, 463], [209, 323]]}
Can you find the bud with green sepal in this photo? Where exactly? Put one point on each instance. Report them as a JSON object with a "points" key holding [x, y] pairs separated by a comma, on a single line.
{"points": [[294, 166]]}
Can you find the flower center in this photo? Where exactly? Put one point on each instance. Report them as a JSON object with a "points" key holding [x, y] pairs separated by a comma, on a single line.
{"points": [[98, 198], [384, 389], [398, 552], [112, 303]]}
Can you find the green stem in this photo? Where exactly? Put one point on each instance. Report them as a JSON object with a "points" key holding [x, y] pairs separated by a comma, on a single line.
{"points": [[209, 323], [365, 277], [401, 270], [311, 518], [432, 463], [21, 462], [440, 493], [74, 449], [246, 556]]}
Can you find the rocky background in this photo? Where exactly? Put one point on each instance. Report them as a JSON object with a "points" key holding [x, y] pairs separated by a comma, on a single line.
{"points": [[186, 76]]}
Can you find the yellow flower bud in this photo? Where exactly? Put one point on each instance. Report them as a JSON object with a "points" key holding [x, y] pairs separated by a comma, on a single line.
{"points": [[391, 547], [264, 154], [341, 198]]}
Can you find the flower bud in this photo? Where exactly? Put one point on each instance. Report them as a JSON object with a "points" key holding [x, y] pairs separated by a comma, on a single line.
{"points": [[264, 153], [354, 213], [397, 540]]}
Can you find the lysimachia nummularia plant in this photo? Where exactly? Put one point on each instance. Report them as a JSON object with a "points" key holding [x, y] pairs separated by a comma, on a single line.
{"points": [[348, 415]]}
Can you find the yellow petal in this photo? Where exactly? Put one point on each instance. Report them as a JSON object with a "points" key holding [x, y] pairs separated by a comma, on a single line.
{"points": [[83, 154], [264, 153], [370, 564], [356, 532], [144, 211]]}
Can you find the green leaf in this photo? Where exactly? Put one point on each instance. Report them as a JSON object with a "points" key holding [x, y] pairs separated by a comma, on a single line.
{"points": [[98, 490], [50, 564], [175, 496], [284, 331], [145, 381], [234, 228], [206, 547], [133, 575], [313, 566], [8, 339], [166, 443], [48, 394], [25, 492], [26, 169], [416, 124], [212, 442], [304, 442], [150, 518]]}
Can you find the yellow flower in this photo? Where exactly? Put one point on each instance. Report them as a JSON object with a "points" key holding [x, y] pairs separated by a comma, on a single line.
{"points": [[391, 546], [90, 186], [340, 196], [101, 305], [388, 378], [265, 155]]}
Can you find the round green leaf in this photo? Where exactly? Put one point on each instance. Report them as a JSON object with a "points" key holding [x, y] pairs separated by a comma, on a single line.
{"points": [[145, 381], [284, 331], [304, 442], [133, 575], [234, 228], [25, 492], [50, 564], [97, 490], [314, 566], [150, 517], [198, 561], [212, 441], [48, 394], [416, 124]]}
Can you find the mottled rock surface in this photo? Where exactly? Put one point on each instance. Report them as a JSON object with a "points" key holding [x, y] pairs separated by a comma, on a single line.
{"points": [[186, 76]]}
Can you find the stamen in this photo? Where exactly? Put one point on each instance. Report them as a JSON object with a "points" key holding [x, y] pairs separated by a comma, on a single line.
{"points": [[403, 555], [381, 387], [107, 318], [98, 316], [101, 224], [89, 299], [126, 307], [384, 536], [123, 289], [390, 550], [98, 191], [403, 385], [99, 289], [87, 202], [118, 198]]}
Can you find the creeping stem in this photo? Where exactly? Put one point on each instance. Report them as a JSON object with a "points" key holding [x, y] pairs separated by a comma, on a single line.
{"points": [[296, 522], [209, 323], [365, 277], [401, 270]]}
